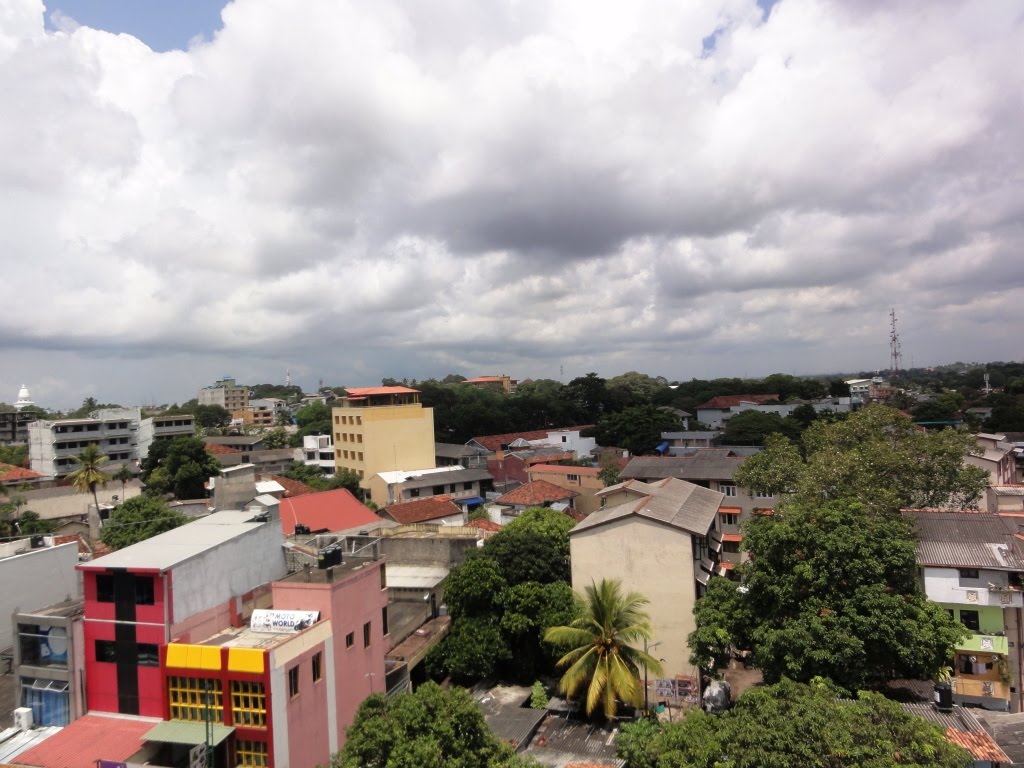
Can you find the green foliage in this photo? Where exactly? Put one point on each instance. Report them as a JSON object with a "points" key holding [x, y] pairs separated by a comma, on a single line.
{"points": [[876, 456], [602, 661], [431, 727], [787, 725], [478, 513], [637, 429], [89, 405], [17, 455], [29, 522], [474, 649], [752, 427], [538, 696], [474, 588], [208, 416], [138, 519], [280, 391], [830, 591], [533, 547], [609, 475], [275, 438], [89, 475], [316, 479], [180, 466]]}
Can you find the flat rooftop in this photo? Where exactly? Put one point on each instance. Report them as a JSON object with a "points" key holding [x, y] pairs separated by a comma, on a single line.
{"points": [[65, 609], [327, 575], [245, 637], [166, 550]]}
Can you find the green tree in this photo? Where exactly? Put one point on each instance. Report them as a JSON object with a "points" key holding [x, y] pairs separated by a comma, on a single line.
{"points": [[790, 724], [538, 696], [830, 591], [637, 429], [89, 474], [533, 547], [139, 518], [275, 438], [603, 661], [29, 522], [431, 727], [208, 416], [15, 455], [876, 456], [752, 427], [181, 466], [124, 475], [474, 648]]}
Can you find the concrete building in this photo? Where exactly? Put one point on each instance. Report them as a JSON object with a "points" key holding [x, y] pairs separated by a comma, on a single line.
{"points": [[186, 583], [380, 429], [502, 383], [115, 431], [14, 426], [655, 539], [1005, 499], [467, 487], [48, 663], [35, 577], [225, 393], [997, 457], [318, 451], [709, 468], [586, 481], [438, 510], [450, 454], [164, 427], [972, 565]]}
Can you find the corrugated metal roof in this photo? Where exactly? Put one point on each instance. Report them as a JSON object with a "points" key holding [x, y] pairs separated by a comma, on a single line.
{"points": [[16, 742], [965, 540], [181, 732], [963, 729], [670, 501], [88, 739], [702, 464]]}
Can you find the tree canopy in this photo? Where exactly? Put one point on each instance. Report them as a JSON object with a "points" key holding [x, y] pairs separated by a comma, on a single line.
{"points": [[211, 416], [89, 473], [830, 591], [637, 429], [431, 727], [138, 519], [789, 724], [877, 456], [180, 466]]}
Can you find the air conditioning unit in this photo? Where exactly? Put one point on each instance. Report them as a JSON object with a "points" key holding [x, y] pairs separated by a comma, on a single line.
{"points": [[23, 718]]}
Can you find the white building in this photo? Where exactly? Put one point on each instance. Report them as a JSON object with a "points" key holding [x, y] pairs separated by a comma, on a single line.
{"points": [[225, 393], [318, 451], [164, 427], [53, 444], [567, 440]]}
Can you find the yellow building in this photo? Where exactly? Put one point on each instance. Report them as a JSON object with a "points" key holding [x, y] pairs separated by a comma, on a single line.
{"points": [[380, 429]]}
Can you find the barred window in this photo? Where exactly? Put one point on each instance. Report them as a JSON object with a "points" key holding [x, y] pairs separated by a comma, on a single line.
{"points": [[196, 699], [248, 704], [251, 753]]}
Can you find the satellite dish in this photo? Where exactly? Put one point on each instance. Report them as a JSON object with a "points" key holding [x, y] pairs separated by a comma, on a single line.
{"points": [[57, 643]]}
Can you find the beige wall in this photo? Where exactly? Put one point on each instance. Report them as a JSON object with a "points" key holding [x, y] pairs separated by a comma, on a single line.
{"points": [[653, 559], [586, 486], [383, 438]]}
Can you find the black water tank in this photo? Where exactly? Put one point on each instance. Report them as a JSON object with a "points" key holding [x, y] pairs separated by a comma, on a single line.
{"points": [[944, 697]]}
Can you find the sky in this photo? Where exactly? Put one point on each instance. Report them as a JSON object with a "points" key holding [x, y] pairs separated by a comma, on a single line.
{"points": [[351, 190]]}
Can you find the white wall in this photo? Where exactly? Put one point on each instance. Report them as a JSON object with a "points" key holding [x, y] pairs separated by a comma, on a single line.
{"points": [[35, 580], [573, 442], [247, 561], [943, 585]]}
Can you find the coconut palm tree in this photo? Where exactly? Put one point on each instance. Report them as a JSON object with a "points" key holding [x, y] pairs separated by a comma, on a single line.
{"points": [[603, 660], [123, 475], [89, 475]]}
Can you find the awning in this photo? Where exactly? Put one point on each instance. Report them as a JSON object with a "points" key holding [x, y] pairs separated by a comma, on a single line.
{"points": [[470, 501], [732, 537], [182, 732], [662, 447], [984, 644]]}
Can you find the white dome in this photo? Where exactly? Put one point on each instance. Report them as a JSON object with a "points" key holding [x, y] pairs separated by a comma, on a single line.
{"points": [[24, 398]]}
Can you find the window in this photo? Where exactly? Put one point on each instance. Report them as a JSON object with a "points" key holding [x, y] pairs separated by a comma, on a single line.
{"points": [[43, 646], [144, 590], [968, 573], [437, 490], [106, 651], [762, 495], [366, 635], [414, 493], [700, 547], [573, 478], [350, 639], [970, 619], [251, 753], [728, 489], [248, 704], [383, 576], [318, 667], [384, 618], [105, 588], [467, 486], [48, 699], [565, 439], [195, 699], [293, 682], [729, 518], [732, 547], [360, 456], [148, 655]]}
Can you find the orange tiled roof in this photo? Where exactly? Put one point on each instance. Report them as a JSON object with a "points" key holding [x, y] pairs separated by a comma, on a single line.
{"points": [[422, 510], [328, 510], [365, 391], [536, 493], [291, 487], [10, 473], [485, 525], [980, 745], [216, 449], [730, 401]]}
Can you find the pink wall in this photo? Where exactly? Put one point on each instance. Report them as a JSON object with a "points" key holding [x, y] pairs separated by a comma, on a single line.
{"points": [[355, 599], [306, 713]]}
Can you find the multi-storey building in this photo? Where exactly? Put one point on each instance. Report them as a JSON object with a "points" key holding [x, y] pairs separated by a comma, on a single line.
{"points": [[53, 444], [971, 564], [655, 539], [318, 451], [48, 664], [164, 427], [185, 583], [504, 384], [712, 468], [467, 487], [377, 429], [225, 393], [586, 481], [14, 426]]}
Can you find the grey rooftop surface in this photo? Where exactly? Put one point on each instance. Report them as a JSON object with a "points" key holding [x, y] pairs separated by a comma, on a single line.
{"points": [[166, 550], [701, 464], [670, 501], [966, 540]]}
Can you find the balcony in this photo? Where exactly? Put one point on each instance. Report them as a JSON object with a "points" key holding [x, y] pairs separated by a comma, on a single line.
{"points": [[990, 694]]}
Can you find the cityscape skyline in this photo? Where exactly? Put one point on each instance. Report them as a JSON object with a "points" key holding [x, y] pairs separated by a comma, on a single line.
{"points": [[358, 191]]}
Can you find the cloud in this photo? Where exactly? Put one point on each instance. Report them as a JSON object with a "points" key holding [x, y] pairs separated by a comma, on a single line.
{"points": [[399, 188]]}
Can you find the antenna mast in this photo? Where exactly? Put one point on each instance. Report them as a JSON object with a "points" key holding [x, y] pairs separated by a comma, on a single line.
{"points": [[895, 353]]}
